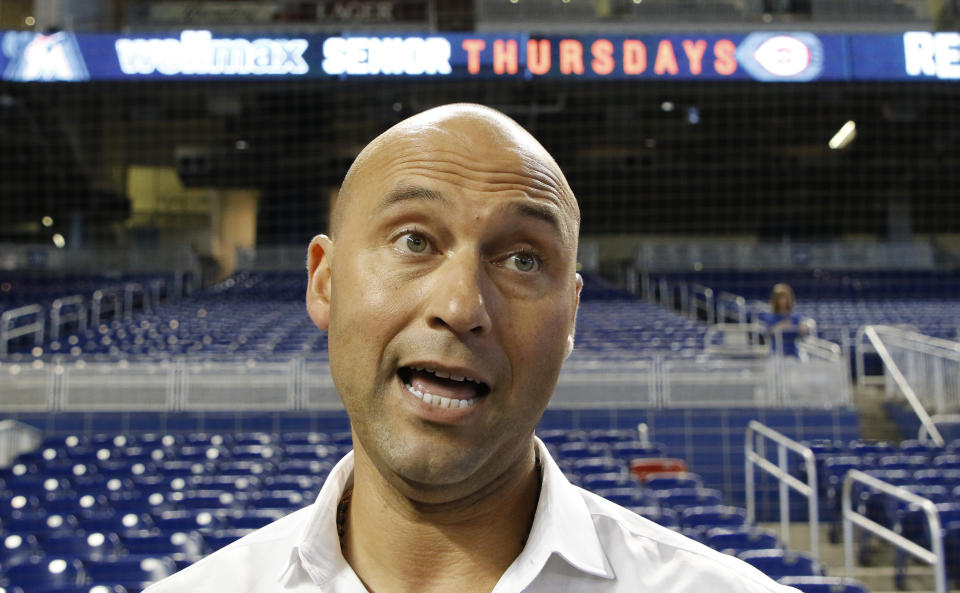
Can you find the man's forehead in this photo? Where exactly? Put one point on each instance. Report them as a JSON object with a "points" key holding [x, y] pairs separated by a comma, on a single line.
{"points": [[472, 144]]}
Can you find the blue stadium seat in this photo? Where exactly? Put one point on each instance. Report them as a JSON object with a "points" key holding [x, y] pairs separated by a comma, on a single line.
{"points": [[310, 452], [18, 547], [705, 518], [224, 538], [949, 461], [902, 462], [733, 541], [45, 571], [561, 436], [178, 545], [916, 447], [132, 572], [778, 563], [254, 518], [948, 478], [39, 522], [611, 436], [673, 480], [679, 499], [580, 450], [92, 546], [286, 500], [821, 584], [632, 449], [186, 521], [606, 481], [595, 465], [862, 447], [115, 522]]}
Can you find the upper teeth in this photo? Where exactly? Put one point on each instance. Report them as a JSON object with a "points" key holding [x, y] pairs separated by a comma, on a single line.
{"points": [[444, 375]]}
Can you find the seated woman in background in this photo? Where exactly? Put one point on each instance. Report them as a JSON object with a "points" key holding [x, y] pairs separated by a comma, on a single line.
{"points": [[781, 320]]}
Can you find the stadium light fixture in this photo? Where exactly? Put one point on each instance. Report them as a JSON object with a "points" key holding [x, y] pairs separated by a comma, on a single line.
{"points": [[47, 221], [59, 241], [667, 106], [844, 136]]}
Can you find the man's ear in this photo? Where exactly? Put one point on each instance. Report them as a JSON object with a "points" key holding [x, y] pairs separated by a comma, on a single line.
{"points": [[319, 256], [576, 307]]}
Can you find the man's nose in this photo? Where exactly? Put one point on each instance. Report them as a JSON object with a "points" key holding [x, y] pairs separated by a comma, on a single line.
{"points": [[459, 297]]}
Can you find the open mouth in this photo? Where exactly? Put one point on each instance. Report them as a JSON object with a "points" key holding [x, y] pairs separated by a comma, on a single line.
{"points": [[442, 389]]}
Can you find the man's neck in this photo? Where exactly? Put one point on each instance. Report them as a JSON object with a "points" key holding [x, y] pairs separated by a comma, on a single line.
{"points": [[398, 545]]}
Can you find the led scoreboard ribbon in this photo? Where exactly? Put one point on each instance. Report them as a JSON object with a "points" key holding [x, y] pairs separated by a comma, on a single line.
{"points": [[760, 56]]}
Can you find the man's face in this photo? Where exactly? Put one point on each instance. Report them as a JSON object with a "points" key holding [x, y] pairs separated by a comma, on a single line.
{"points": [[452, 300]]}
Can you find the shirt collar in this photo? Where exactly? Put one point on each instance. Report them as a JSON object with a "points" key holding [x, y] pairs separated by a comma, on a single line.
{"points": [[317, 550], [562, 525]]}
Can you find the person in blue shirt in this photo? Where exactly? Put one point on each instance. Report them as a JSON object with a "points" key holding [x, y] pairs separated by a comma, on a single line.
{"points": [[782, 321]]}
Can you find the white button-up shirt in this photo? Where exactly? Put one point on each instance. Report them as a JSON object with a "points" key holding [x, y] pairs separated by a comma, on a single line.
{"points": [[578, 542]]}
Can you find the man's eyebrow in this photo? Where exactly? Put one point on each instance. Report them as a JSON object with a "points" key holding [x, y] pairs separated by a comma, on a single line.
{"points": [[410, 192], [539, 211]]}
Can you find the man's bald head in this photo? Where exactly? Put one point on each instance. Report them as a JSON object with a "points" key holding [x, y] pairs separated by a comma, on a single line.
{"points": [[496, 143]]}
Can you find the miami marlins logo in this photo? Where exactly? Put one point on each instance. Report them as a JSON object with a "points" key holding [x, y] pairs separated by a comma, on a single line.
{"points": [[38, 57]]}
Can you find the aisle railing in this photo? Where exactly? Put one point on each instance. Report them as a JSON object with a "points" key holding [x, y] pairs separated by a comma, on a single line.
{"points": [[933, 555], [925, 370], [755, 457]]}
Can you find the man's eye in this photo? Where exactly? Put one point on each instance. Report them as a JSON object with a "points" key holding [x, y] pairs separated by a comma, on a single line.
{"points": [[412, 242], [523, 262]]}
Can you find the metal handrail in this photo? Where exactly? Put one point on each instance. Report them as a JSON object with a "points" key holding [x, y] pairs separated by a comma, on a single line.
{"points": [[820, 348], [747, 329], [933, 556], [699, 290], [922, 434], [871, 334], [8, 332], [58, 319], [752, 445], [728, 302]]}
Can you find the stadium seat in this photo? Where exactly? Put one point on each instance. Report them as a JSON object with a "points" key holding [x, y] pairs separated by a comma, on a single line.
{"points": [[679, 499], [949, 461], [632, 449], [821, 584], [733, 541], [672, 480], [131, 572], [605, 481], [641, 468], [254, 518], [611, 436], [224, 538], [18, 547], [45, 571], [596, 465], [705, 518], [178, 545], [580, 450], [186, 521], [777, 563], [560, 436], [93, 546]]}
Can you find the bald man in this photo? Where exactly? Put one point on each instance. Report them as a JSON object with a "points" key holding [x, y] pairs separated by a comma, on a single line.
{"points": [[449, 291]]}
